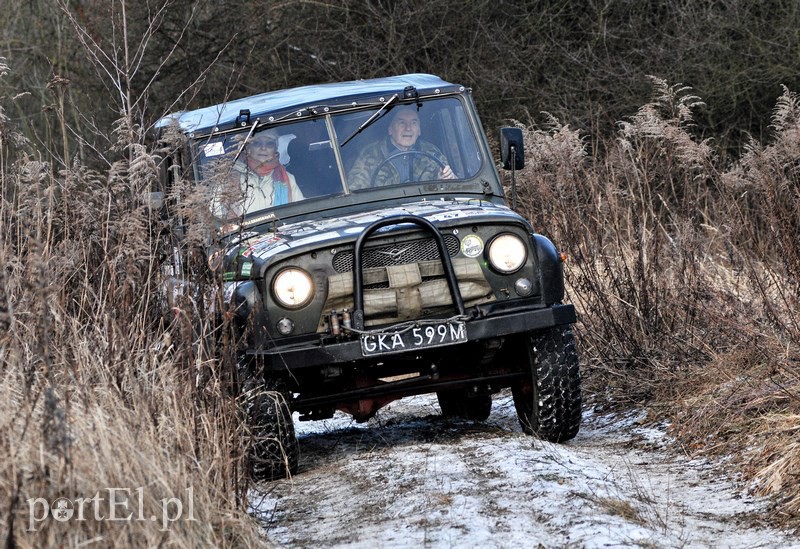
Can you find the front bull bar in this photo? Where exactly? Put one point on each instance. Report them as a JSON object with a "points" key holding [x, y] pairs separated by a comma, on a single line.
{"points": [[358, 274]]}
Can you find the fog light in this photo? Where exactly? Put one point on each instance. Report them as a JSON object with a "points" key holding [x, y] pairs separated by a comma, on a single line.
{"points": [[523, 287], [285, 326]]}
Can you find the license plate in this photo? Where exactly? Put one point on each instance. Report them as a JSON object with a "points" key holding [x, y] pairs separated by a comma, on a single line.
{"points": [[419, 337]]}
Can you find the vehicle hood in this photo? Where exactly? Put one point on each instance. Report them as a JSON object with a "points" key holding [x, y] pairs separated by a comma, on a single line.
{"points": [[264, 247]]}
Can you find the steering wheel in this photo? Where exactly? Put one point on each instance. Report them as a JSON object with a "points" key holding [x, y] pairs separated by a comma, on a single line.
{"points": [[400, 154]]}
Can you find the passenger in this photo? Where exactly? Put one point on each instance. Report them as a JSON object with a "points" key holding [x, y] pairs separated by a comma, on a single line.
{"points": [[412, 159], [263, 180]]}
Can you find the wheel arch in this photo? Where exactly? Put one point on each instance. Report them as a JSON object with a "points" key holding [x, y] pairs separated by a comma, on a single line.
{"points": [[551, 270]]}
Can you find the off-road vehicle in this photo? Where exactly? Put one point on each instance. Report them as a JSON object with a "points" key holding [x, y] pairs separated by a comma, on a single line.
{"points": [[417, 278]]}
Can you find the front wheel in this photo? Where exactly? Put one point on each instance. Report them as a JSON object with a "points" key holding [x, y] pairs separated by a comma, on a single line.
{"points": [[548, 398], [273, 452]]}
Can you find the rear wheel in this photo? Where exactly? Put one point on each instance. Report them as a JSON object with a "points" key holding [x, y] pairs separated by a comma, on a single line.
{"points": [[272, 451], [465, 404], [548, 401]]}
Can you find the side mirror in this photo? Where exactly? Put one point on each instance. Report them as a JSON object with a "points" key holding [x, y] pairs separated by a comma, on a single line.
{"points": [[512, 148]]}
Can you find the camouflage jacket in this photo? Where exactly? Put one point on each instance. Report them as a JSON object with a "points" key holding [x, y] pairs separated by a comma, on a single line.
{"points": [[421, 166]]}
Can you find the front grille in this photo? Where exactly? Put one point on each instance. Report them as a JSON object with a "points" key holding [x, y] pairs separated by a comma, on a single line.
{"points": [[385, 284], [401, 253]]}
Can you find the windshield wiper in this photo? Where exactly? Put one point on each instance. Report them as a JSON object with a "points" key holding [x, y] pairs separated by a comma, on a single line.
{"points": [[371, 119], [246, 139]]}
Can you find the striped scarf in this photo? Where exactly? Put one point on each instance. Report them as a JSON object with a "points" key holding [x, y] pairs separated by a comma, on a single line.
{"points": [[282, 191]]}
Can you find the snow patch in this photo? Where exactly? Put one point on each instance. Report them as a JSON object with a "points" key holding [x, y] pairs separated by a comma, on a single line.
{"points": [[409, 477]]}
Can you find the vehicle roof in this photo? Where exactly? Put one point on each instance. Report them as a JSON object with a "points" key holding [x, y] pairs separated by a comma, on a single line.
{"points": [[282, 102]]}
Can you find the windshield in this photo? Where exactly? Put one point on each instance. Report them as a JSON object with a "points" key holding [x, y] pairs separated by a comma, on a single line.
{"points": [[279, 165]]}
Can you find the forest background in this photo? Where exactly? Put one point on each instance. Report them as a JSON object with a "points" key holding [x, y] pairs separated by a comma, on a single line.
{"points": [[662, 142]]}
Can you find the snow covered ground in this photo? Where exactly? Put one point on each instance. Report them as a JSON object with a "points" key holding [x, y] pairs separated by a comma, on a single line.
{"points": [[410, 478]]}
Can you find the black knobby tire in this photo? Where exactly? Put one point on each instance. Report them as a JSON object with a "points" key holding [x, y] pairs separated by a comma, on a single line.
{"points": [[273, 452], [548, 403], [463, 404]]}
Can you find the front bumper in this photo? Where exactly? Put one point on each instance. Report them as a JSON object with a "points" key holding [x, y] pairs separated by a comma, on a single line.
{"points": [[487, 322]]}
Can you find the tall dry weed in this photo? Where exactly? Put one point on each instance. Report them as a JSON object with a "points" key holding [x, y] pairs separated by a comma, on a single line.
{"points": [[685, 275], [764, 197], [108, 390], [631, 222]]}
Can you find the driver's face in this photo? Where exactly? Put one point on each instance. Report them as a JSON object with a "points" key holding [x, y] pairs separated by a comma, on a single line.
{"points": [[404, 129]]}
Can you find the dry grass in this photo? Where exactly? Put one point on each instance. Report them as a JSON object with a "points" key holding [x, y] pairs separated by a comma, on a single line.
{"points": [[104, 384], [621, 508], [686, 274]]}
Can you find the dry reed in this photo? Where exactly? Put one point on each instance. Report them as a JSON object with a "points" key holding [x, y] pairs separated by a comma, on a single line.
{"points": [[686, 274], [113, 399]]}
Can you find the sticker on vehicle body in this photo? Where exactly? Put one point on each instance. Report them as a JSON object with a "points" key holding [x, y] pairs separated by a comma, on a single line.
{"points": [[267, 243], [471, 245], [272, 249], [456, 214], [313, 239]]}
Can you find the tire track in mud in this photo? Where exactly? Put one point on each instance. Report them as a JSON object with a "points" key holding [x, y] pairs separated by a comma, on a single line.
{"points": [[412, 478]]}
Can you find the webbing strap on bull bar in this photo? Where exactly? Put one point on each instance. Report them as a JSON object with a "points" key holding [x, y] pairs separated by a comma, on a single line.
{"points": [[358, 273]]}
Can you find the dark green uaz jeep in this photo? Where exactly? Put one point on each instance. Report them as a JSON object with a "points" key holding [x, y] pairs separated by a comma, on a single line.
{"points": [[370, 255]]}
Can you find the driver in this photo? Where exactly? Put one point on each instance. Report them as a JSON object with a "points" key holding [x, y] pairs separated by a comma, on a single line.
{"points": [[411, 158]]}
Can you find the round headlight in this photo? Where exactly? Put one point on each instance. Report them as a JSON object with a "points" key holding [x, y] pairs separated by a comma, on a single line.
{"points": [[293, 288], [507, 253]]}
